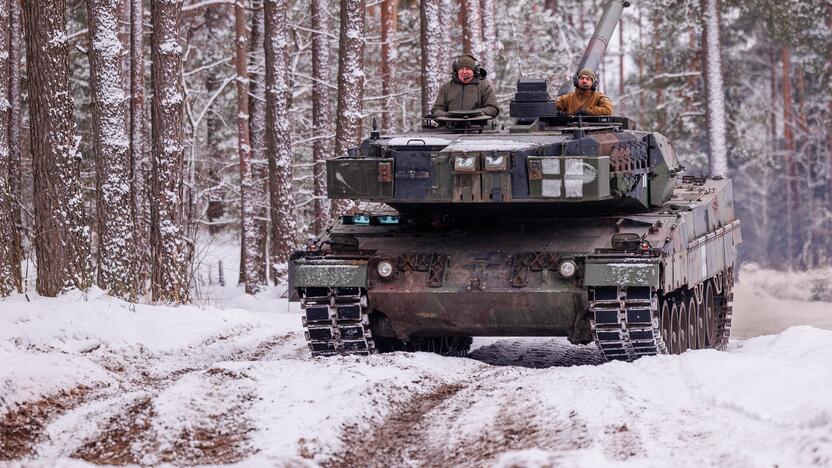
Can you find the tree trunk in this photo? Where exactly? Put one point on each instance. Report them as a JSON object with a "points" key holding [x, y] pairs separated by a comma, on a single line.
{"points": [[488, 47], [216, 24], [828, 193], [658, 68], [621, 54], [247, 209], [448, 42], [110, 77], [773, 93], [714, 90], [350, 85], [169, 278], [429, 36], [788, 137], [61, 233], [9, 271], [389, 59], [139, 165], [278, 137], [321, 111], [16, 52], [470, 17], [259, 196]]}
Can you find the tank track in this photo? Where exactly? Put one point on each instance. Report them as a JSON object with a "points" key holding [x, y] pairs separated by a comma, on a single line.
{"points": [[336, 321], [724, 307], [625, 322]]}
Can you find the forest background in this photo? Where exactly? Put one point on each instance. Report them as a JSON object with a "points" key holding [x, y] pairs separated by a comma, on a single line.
{"points": [[131, 131]]}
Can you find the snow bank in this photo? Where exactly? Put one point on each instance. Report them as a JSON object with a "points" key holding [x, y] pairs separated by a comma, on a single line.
{"points": [[50, 344], [812, 285]]}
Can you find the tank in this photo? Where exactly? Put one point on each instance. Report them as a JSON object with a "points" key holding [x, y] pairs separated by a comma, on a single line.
{"points": [[583, 227]]}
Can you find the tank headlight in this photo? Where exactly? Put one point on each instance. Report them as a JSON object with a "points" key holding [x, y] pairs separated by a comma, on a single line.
{"points": [[567, 268], [385, 269]]}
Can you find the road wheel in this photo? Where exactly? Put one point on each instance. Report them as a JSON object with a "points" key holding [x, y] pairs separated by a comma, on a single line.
{"points": [[684, 326], [709, 314], [665, 325], [675, 329], [697, 325]]}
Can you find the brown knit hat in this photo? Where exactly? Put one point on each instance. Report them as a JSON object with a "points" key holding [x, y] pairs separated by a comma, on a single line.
{"points": [[589, 73], [466, 61]]}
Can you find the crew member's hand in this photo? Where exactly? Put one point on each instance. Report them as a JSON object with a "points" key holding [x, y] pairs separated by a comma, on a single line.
{"points": [[582, 111]]}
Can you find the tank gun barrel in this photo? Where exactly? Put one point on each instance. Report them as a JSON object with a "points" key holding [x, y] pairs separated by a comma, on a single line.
{"points": [[597, 46]]}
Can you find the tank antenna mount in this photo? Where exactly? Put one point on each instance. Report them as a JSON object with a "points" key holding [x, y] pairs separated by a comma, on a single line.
{"points": [[374, 132]]}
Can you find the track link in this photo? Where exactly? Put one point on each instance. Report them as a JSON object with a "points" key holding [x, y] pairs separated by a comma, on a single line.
{"points": [[336, 321], [625, 322], [724, 310]]}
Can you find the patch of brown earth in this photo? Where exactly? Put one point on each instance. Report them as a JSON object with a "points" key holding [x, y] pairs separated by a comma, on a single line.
{"points": [[22, 428], [129, 437], [513, 430], [396, 441], [264, 348], [114, 443]]}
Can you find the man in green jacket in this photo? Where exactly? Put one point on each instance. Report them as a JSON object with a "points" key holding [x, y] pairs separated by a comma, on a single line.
{"points": [[468, 90]]}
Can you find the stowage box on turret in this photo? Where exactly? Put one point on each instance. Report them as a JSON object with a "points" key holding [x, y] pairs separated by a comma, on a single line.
{"points": [[582, 227]]}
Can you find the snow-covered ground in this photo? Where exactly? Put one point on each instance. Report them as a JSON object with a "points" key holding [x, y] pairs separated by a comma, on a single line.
{"points": [[90, 378]]}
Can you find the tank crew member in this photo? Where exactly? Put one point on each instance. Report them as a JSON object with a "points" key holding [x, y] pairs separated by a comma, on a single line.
{"points": [[586, 99], [468, 90]]}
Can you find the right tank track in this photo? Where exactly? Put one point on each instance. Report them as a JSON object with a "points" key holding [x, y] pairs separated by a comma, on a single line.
{"points": [[628, 322]]}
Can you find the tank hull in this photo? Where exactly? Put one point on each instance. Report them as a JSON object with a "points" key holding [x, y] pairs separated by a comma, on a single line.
{"points": [[471, 276]]}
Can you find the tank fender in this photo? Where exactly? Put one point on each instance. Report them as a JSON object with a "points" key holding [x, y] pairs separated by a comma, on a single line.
{"points": [[333, 273], [622, 272]]}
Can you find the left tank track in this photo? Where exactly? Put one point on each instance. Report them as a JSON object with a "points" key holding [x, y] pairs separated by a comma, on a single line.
{"points": [[624, 322], [336, 321]]}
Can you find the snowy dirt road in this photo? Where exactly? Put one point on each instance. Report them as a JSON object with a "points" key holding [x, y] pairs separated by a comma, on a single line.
{"points": [[100, 381]]}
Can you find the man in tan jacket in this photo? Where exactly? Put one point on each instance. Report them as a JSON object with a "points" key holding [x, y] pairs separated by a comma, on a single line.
{"points": [[585, 100], [468, 90]]}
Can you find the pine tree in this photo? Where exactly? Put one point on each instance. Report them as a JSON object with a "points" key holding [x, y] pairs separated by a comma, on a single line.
{"points": [[714, 90], [9, 268], [321, 110], [430, 39], [110, 78], [169, 276], [350, 84], [16, 53], [61, 236], [248, 222], [258, 232], [278, 137], [389, 59], [488, 47], [470, 19], [139, 164]]}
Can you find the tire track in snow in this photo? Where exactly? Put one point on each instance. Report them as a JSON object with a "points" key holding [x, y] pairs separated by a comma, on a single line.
{"points": [[421, 431], [116, 424], [396, 441]]}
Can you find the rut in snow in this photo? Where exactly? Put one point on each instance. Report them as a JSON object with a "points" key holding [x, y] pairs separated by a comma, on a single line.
{"points": [[128, 422]]}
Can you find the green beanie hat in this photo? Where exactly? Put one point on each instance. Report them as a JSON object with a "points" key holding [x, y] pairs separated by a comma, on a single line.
{"points": [[589, 73], [466, 61]]}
